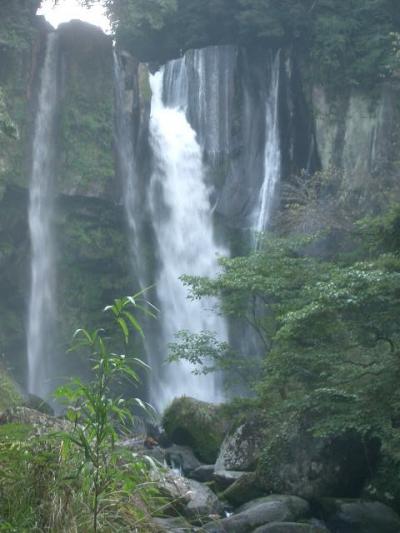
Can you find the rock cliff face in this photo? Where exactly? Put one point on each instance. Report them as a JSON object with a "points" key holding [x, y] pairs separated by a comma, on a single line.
{"points": [[228, 92], [359, 133], [92, 263]]}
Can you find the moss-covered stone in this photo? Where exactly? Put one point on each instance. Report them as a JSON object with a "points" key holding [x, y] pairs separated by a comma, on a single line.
{"points": [[293, 461], [86, 121], [200, 425], [9, 394]]}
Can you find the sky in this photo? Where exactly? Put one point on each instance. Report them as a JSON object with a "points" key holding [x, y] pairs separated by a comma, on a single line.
{"points": [[66, 10]]}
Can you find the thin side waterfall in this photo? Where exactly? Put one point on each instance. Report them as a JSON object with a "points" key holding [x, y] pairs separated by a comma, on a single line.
{"points": [[42, 306], [272, 154], [182, 218]]}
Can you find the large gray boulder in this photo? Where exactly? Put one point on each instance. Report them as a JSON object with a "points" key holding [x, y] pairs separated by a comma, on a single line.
{"points": [[225, 478], [243, 490], [181, 458], [203, 473], [297, 463], [241, 448], [203, 503], [188, 497], [260, 512], [172, 525], [357, 516]]}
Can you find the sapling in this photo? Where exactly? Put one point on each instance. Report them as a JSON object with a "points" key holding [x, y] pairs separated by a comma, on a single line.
{"points": [[93, 407]]}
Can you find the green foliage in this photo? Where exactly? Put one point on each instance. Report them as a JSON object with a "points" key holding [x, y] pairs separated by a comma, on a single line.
{"points": [[207, 354], [349, 41], [41, 491], [9, 395], [27, 479], [78, 479], [87, 113], [7, 127], [94, 410], [16, 30], [330, 327]]}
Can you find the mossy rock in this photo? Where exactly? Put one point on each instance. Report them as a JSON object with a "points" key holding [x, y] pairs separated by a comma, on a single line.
{"points": [[9, 395], [38, 404], [200, 425]]}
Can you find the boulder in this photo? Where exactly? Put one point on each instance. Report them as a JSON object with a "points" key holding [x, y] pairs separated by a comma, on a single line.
{"points": [[40, 422], [188, 497], [260, 512], [137, 445], [291, 527], [358, 516], [241, 447], [200, 425], [203, 502], [182, 458], [9, 393], [203, 473], [172, 525], [225, 478], [243, 490], [38, 404], [295, 462]]}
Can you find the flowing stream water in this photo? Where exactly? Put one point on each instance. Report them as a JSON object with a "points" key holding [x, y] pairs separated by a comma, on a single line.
{"points": [[182, 218], [42, 305]]}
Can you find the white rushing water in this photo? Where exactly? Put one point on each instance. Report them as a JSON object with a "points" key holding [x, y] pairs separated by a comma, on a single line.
{"points": [[42, 308], [272, 154], [182, 219], [214, 70], [202, 83]]}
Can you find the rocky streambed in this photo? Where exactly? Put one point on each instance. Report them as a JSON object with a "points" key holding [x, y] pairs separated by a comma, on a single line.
{"points": [[326, 484], [309, 484]]}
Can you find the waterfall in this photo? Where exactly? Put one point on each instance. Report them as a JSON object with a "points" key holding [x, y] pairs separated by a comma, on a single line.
{"points": [[42, 308], [182, 218], [213, 100], [202, 84], [272, 153]]}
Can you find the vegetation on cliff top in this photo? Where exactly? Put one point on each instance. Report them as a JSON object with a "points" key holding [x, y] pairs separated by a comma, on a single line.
{"points": [[348, 41]]}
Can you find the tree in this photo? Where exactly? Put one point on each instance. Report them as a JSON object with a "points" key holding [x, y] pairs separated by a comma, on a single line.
{"points": [[330, 327]]}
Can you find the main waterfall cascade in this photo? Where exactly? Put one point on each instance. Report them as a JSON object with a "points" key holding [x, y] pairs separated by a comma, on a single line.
{"points": [[195, 136], [42, 304], [205, 84], [182, 219], [202, 84], [191, 135]]}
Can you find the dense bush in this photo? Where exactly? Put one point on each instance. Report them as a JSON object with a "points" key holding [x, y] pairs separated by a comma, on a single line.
{"points": [[330, 326]]}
